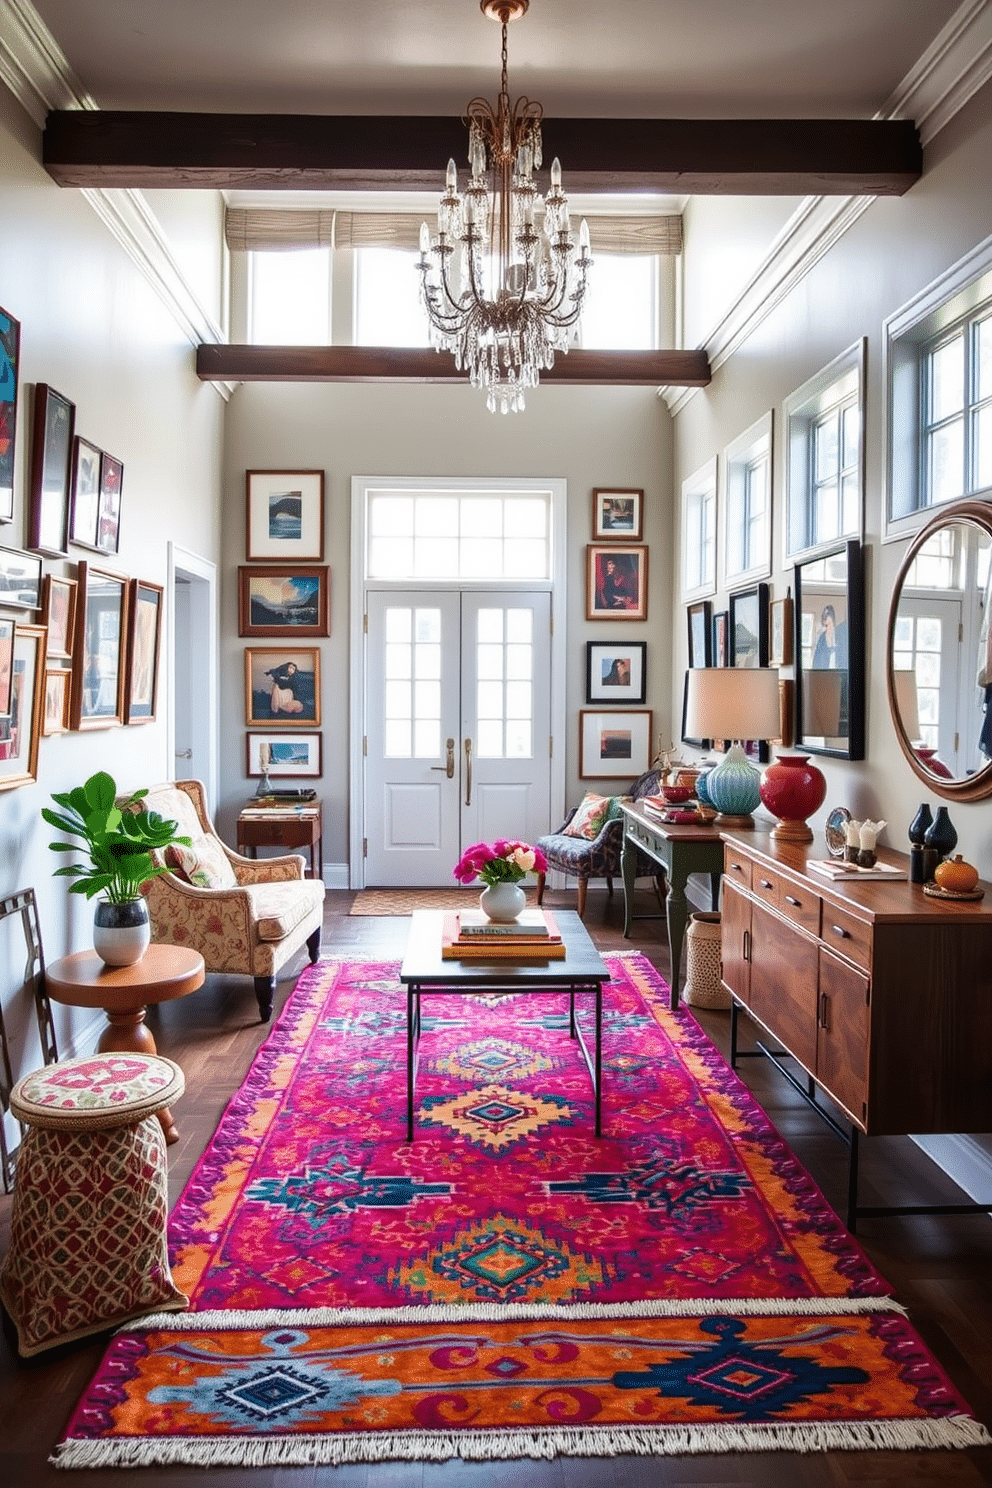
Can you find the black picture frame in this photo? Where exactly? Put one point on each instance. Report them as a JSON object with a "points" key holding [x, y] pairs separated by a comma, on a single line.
{"points": [[615, 671], [10, 361], [699, 617], [749, 646], [51, 471], [833, 580], [721, 638]]}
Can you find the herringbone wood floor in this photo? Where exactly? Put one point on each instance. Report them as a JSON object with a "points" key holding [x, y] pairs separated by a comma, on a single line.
{"points": [[941, 1269]]}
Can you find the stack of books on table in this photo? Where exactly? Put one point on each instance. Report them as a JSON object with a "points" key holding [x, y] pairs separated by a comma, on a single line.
{"points": [[469, 935]]}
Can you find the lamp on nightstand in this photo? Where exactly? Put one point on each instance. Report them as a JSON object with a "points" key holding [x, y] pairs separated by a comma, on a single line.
{"points": [[736, 703]]}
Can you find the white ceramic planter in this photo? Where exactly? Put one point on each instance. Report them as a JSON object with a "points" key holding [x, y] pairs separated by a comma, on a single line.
{"points": [[121, 932], [502, 902]]}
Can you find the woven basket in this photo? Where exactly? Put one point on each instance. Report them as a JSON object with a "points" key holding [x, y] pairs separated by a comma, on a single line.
{"points": [[703, 963]]}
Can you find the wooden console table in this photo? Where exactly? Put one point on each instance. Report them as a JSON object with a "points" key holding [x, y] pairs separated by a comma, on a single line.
{"points": [[284, 827], [881, 994], [680, 850], [124, 992]]}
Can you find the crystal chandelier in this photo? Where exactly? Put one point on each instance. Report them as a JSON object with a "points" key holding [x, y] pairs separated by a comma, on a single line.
{"points": [[502, 293]]}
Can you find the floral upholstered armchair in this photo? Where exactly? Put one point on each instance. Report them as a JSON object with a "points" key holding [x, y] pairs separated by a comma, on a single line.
{"points": [[588, 842], [244, 917]]}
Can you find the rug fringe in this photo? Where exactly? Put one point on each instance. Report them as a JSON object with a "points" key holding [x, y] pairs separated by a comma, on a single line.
{"points": [[479, 1446], [230, 1320]]}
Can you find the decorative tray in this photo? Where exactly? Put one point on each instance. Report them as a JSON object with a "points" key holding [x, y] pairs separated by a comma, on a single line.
{"points": [[936, 892]]}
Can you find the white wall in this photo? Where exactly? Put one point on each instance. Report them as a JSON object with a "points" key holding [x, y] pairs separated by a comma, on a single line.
{"points": [[895, 249], [93, 328], [589, 436]]}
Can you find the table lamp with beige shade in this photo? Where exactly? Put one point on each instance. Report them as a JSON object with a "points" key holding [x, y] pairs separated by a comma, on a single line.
{"points": [[736, 703]]}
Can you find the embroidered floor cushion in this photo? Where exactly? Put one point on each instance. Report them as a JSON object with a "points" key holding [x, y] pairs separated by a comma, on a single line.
{"points": [[88, 1229]]}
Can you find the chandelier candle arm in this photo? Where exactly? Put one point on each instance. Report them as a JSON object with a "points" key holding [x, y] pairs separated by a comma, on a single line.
{"points": [[501, 294]]}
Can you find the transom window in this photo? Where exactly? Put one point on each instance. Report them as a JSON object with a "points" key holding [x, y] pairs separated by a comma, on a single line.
{"points": [[458, 535]]}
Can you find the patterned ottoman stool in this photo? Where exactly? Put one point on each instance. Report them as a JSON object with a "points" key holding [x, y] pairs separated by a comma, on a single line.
{"points": [[87, 1242]]}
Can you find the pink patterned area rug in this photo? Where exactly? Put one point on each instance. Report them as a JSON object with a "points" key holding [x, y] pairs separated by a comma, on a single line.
{"points": [[505, 1285]]}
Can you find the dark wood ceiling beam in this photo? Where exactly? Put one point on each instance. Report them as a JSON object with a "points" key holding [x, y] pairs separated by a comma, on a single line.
{"points": [[411, 364], [765, 157]]}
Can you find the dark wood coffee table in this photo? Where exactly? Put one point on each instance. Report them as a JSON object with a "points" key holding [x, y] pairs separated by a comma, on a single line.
{"points": [[580, 972]]}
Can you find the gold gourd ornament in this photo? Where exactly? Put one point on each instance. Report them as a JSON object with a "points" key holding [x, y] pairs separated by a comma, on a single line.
{"points": [[955, 875]]}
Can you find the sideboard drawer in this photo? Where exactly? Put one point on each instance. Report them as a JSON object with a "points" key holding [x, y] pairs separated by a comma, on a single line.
{"points": [[846, 934], [800, 905], [736, 866]]}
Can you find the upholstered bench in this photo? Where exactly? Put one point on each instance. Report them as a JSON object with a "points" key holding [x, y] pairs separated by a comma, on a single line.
{"points": [[88, 1231]]}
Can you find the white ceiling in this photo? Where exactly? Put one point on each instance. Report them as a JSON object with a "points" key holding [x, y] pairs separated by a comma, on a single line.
{"points": [[584, 58]]}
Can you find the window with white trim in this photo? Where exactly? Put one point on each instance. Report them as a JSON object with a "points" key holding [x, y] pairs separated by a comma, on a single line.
{"points": [[699, 532], [290, 298], [939, 384], [450, 534], [621, 308], [747, 504], [824, 457]]}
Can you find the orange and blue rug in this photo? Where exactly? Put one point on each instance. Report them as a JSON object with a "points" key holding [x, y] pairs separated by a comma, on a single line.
{"points": [[505, 1285]]}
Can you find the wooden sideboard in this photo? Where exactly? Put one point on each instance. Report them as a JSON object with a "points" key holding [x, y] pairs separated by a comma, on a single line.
{"points": [[882, 994]]}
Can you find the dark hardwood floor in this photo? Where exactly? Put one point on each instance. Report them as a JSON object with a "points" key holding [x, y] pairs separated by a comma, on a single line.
{"points": [[940, 1268]]}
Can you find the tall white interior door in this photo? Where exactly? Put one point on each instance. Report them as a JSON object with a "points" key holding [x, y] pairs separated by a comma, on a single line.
{"points": [[458, 727]]}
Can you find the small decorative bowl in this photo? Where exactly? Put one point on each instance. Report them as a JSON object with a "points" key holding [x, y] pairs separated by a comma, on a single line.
{"points": [[676, 795]]}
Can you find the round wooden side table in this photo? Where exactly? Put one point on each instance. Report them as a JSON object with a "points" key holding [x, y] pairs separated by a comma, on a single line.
{"points": [[124, 992]]}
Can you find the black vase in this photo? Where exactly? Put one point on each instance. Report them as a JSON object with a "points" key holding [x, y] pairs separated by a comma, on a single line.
{"points": [[919, 825], [940, 835]]}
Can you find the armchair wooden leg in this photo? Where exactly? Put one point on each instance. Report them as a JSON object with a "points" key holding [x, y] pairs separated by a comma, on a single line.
{"points": [[265, 991], [609, 885], [583, 885], [540, 887], [313, 947]]}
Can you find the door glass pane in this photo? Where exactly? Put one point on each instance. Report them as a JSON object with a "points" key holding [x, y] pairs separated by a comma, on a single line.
{"points": [[490, 699], [489, 661], [490, 625], [518, 739], [519, 625], [412, 714], [490, 737]]}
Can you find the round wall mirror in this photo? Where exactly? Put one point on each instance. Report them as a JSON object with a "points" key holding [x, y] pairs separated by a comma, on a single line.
{"points": [[940, 653]]}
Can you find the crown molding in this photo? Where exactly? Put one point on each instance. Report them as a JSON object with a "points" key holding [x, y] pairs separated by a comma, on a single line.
{"points": [[33, 66]]}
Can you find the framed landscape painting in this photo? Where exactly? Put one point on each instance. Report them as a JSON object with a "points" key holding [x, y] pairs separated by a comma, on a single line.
{"points": [[284, 517], [98, 662], [617, 516], [284, 755], [144, 634], [51, 470], [282, 685], [20, 728], [84, 507], [614, 745], [284, 601]]}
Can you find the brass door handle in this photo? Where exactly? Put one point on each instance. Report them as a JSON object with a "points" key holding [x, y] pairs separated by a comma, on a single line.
{"points": [[468, 772], [449, 765]]}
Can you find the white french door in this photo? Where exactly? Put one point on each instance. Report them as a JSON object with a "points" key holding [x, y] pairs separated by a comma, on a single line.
{"points": [[457, 727]]}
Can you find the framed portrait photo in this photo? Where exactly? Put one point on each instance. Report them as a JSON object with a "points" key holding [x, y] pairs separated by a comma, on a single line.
{"points": [[617, 515], [10, 360], [108, 522], [20, 728], [780, 626], [614, 745], [144, 635], [55, 710], [20, 579], [282, 685], [700, 617], [616, 582], [84, 505], [284, 755], [58, 615], [720, 656], [294, 601], [51, 470], [99, 649], [615, 671], [284, 517]]}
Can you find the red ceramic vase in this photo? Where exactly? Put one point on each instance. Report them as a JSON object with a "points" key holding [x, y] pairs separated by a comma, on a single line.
{"points": [[792, 789]]}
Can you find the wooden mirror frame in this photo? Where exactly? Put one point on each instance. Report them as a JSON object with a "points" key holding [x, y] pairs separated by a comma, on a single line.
{"points": [[969, 787], [855, 597]]}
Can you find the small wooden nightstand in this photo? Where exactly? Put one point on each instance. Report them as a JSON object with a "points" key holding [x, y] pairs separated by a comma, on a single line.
{"points": [[285, 827]]}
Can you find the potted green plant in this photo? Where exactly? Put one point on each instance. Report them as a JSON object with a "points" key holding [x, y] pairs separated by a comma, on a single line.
{"points": [[120, 840]]}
